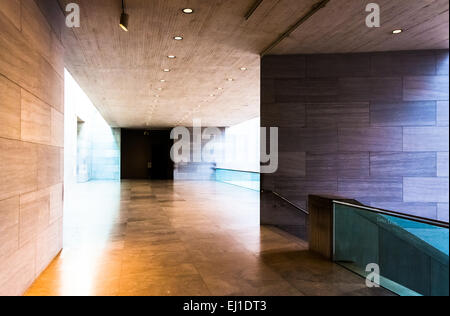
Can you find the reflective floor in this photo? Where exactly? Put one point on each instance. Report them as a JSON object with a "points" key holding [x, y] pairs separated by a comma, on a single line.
{"points": [[182, 238]]}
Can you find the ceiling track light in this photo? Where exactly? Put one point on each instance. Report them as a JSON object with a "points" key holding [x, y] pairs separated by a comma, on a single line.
{"points": [[124, 18]]}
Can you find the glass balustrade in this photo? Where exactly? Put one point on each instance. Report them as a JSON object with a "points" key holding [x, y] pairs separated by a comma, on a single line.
{"points": [[246, 179], [411, 253]]}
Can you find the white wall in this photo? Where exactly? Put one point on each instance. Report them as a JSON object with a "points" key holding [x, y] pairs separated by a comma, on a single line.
{"points": [[242, 147], [104, 141]]}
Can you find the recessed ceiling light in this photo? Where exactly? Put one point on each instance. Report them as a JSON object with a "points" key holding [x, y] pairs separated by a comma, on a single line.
{"points": [[219, 88], [162, 80], [397, 31], [171, 56], [166, 70], [188, 11], [178, 38], [243, 69], [230, 79]]}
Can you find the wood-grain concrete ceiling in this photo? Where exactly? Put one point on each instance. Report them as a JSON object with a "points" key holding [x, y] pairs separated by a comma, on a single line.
{"points": [[122, 71]]}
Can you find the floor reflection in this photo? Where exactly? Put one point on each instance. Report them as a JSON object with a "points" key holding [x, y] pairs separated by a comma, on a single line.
{"points": [[182, 238]]}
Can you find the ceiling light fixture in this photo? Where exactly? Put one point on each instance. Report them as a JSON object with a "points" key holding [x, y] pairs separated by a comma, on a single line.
{"points": [[162, 80], [124, 18], [243, 69], [166, 70], [188, 11], [230, 79], [397, 31], [178, 38], [171, 56], [219, 88]]}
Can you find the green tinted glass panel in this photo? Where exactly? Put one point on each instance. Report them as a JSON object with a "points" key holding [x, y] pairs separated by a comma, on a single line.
{"points": [[412, 256]]}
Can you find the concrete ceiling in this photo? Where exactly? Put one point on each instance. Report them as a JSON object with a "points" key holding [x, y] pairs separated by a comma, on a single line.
{"points": [[340, 27], [121, 71]]}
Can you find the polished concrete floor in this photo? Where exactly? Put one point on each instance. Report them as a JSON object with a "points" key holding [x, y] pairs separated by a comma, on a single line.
{"points": [[182, 238]]}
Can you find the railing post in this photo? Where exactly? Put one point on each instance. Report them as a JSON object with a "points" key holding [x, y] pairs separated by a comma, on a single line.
{"points": [[321, 224]]}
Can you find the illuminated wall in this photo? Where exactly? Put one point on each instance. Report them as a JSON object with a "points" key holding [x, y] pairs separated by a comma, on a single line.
{"points": [[92, 146], [242, 145]]}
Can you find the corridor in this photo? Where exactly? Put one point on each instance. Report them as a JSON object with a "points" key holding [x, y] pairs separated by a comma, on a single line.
{"points": [[129, 129], [182, 239]]}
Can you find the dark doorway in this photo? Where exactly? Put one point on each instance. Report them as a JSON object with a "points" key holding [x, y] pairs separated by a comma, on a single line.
{"points": [[146, 155]]}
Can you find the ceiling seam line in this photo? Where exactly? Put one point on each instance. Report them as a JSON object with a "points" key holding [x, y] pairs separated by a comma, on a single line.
{"points": [[253, 9], [317, 7]]}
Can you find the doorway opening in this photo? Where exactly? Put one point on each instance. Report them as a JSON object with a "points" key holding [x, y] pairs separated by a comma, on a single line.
{"points": [[145, 155]]}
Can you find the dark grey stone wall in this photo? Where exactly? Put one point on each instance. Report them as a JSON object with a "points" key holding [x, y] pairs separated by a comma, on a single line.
{"points": [[371, 127]]}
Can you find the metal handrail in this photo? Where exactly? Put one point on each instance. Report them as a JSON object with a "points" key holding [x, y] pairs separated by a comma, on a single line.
{"points": [[287, 201], [236, 170], [418, 219]]}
